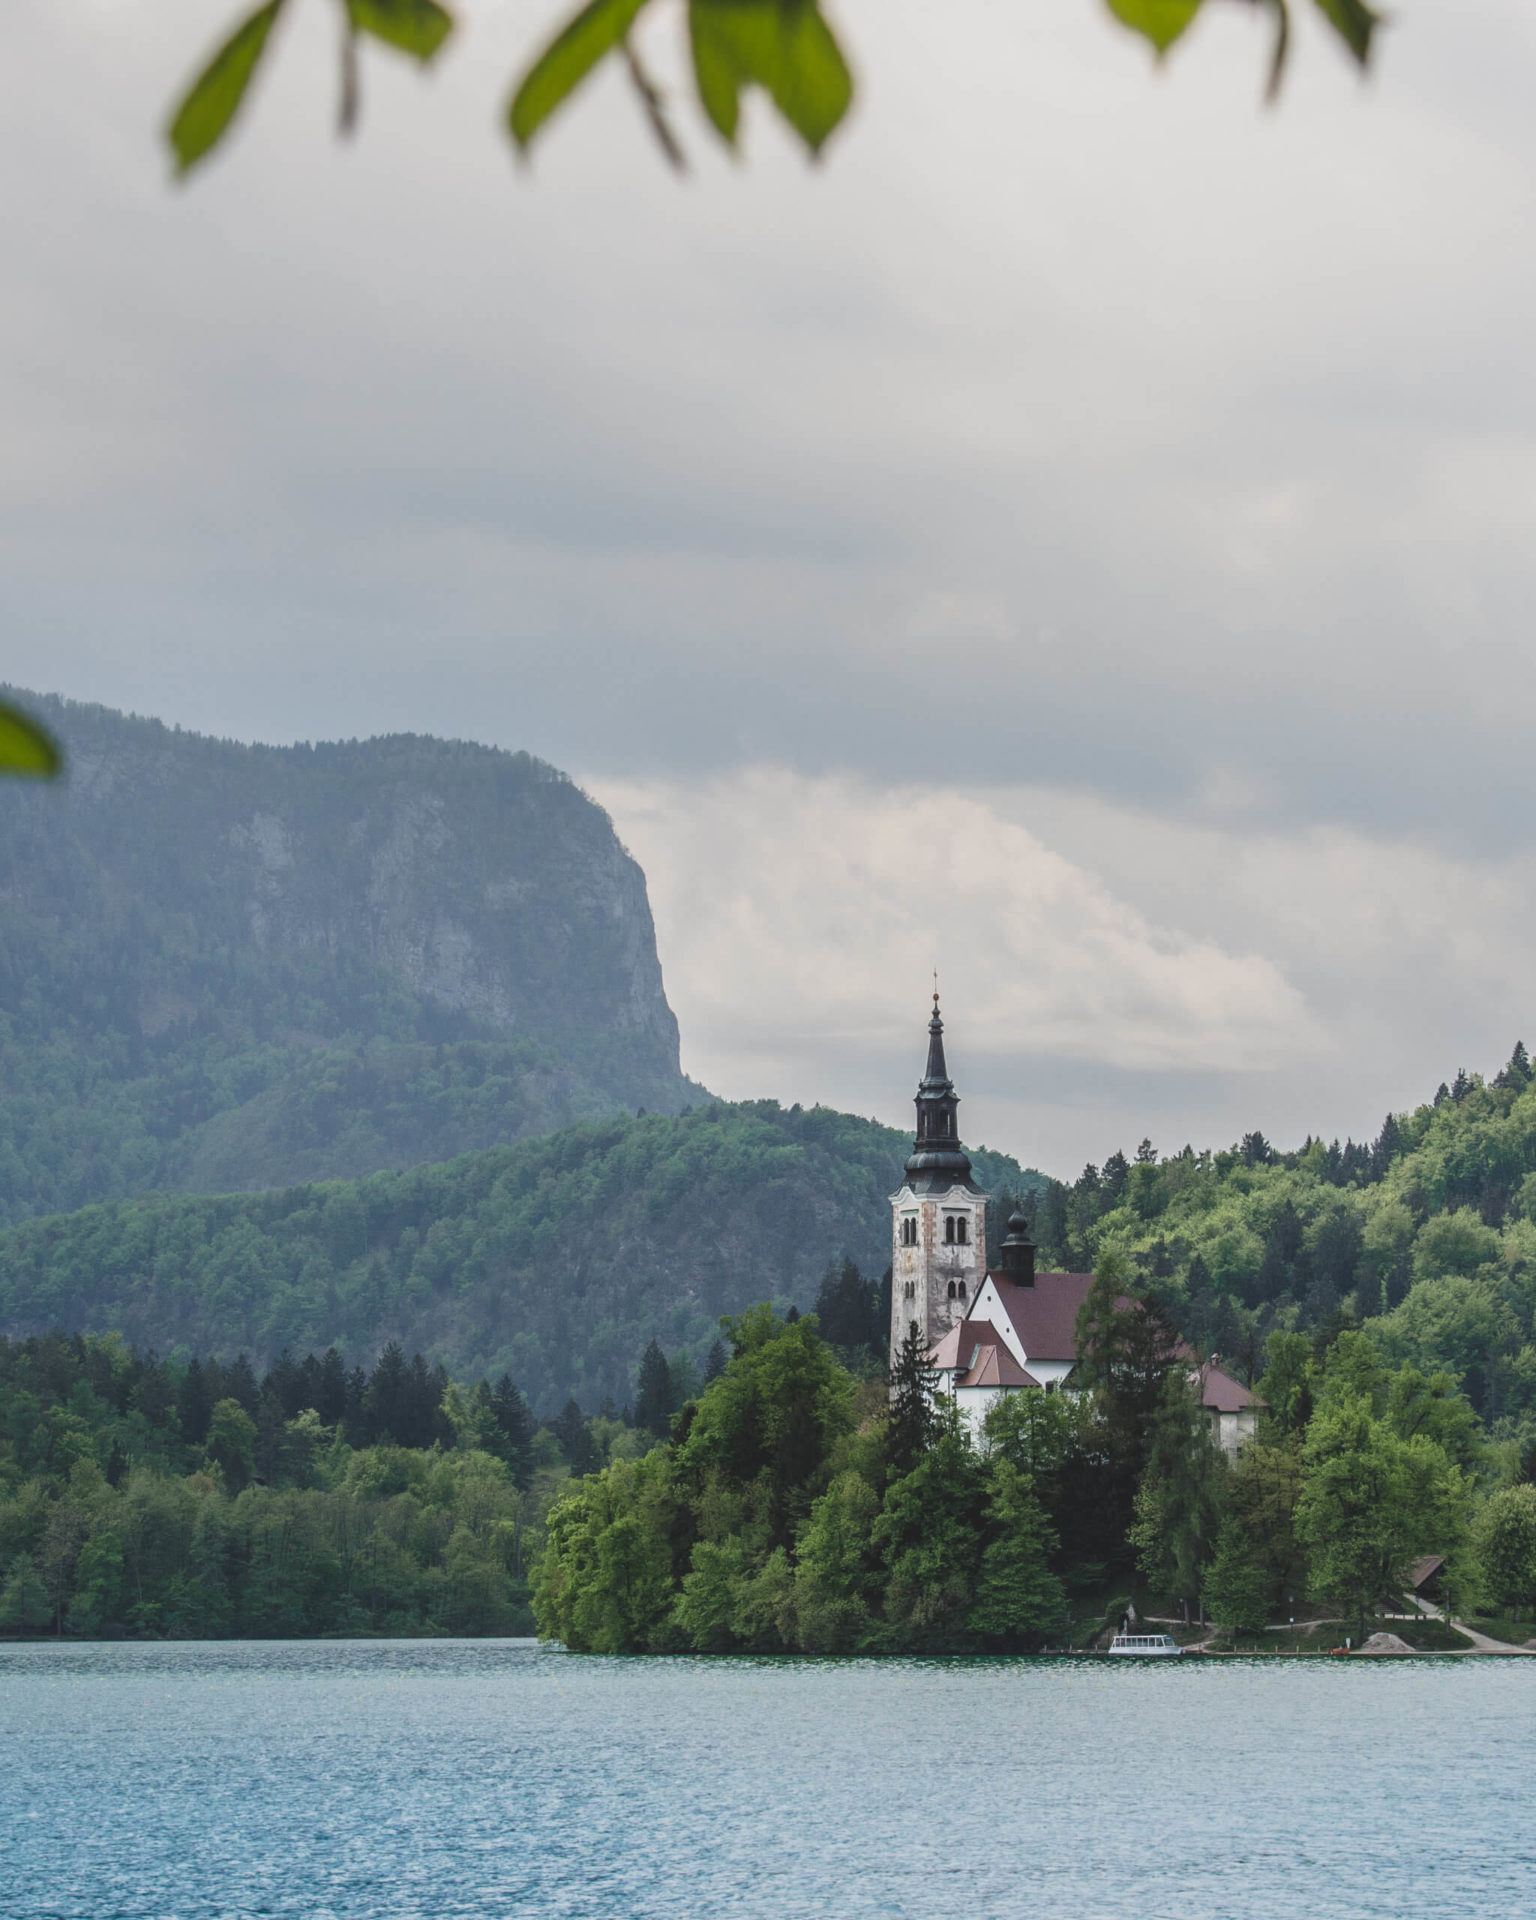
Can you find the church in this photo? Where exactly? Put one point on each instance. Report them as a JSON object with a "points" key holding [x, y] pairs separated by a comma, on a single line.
{"points": [[994, 1332]]}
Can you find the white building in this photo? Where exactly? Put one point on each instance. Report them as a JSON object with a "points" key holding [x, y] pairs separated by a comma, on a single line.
{"points": [[993, 1333]]}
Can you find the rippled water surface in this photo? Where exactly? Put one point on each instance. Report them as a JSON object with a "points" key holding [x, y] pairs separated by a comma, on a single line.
{"points": [[491, 1779]]}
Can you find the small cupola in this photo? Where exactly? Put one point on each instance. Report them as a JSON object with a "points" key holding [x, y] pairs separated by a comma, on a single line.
{"points": [[1018, 1251]]}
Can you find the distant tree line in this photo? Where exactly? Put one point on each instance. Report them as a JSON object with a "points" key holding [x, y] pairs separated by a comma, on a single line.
{"points": [[188, 1497]]}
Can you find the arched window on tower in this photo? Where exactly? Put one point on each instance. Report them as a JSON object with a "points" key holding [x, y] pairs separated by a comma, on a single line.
{"points": [[949, 1229], [960, 1291], [951, 1289], [960, 1233]]}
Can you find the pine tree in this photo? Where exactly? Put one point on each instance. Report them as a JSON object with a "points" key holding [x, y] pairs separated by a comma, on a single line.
{"points": [[331, 1400], [516, 1424], [386, 1407], [194, 1403], [239, 1383], [653, 1393], [913, 1422], [719, 1359], [847, 1308], [575, 1438]]}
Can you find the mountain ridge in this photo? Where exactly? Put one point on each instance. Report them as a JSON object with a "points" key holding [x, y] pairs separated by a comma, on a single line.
{"points": [[202, 939]]}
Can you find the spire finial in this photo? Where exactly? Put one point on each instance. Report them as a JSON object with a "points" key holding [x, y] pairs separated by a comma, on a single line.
{"points": [[935, 989]]}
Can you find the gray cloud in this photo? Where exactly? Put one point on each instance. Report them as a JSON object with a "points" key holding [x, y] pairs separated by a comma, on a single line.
{"points": [[1074, 432]]}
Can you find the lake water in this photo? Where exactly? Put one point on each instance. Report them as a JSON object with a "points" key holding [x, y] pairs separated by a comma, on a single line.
{"points": [[376, 1781]]}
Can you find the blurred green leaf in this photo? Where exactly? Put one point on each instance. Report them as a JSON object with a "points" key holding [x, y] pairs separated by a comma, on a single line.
{"points": [[783, 46], [24, 747], [1354, 22], [1160, 21], [416, 27], [213, 99], [566, 62]]}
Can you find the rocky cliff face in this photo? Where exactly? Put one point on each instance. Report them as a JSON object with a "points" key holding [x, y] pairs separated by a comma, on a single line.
{"points": [[186, 923]]}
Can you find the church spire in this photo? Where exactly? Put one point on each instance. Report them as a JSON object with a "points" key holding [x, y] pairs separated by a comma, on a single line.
{"points": [[937, 1159]]}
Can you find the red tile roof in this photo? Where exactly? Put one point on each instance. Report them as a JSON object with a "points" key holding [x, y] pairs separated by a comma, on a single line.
{"points": [[954, 1350], [1045, 1315], [995, 1366]]}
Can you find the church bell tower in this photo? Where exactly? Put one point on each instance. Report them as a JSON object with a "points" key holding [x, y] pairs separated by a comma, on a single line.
{"points": [[938, 1214]]}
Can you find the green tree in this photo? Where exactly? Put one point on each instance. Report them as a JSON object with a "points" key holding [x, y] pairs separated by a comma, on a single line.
{"points": [[232, 1443], [98, 1584], [929, 1536], [762, 1433], [606, 1581], [653, 1393], [1285, 1386], [1019, 1599], [1505, 1538], [1179, 1501], [1127, 1349], [1235, 1592], [1369, 1503], [1263, 1489], [24, 1603], [837, 1576], [914, 1383]]}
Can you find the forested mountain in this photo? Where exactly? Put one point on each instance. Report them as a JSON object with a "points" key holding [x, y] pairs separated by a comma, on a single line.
{"points": [[1427, 1236], [556, 1259], [228, 966]]}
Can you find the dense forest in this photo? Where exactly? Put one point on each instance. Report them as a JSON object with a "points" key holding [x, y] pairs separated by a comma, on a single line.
{"points": [[1427, 1236], [228, 966], [784, 1497], [795, 1509], [555, 1260]]}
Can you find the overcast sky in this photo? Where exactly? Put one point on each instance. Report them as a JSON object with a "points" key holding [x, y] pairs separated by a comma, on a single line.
{"points": [[1079, 537]]}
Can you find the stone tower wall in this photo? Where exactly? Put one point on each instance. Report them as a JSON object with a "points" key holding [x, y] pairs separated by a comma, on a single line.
{"points": [[922, 1276]]}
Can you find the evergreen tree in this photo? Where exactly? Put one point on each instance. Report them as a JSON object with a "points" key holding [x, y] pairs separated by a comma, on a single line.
{"points": [[914, 1384], [238, 1382], [653, 1393], [847, 1309], [716, 1362], [194, 1403], [1116, 1173], [575, 1438], [331, 1400], [516, 1423], [387, 1406]]}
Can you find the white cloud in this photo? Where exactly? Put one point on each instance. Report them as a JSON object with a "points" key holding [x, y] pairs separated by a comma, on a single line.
{"points": [[1106, 973]]}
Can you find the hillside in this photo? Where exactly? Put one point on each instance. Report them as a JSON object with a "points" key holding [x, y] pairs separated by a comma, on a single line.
{"points": [[556, 1259], [1427, 1236], [242, 966]]}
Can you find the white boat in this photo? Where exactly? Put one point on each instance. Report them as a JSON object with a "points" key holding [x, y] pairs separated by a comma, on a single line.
{"points": [[1146, 1646]]}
